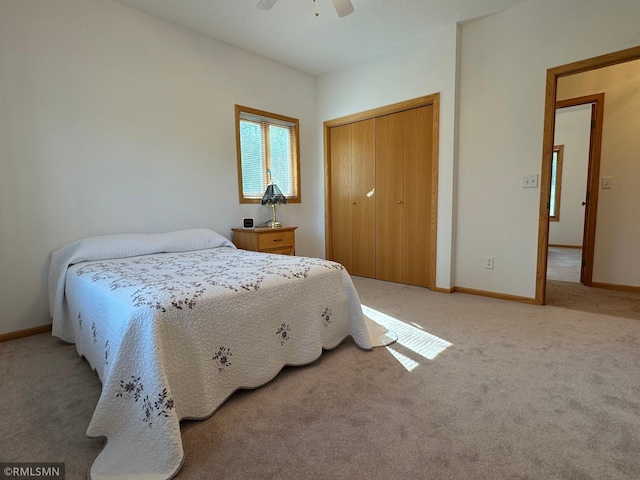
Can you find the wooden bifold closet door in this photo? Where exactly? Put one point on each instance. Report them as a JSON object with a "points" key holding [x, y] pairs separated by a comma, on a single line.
{"points": [[403, 190], [389, 166], [381, 181], [352, 178], [418, 211]]}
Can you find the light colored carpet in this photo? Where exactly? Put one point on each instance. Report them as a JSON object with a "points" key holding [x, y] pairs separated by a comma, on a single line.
{"points": [[564, 264], [565, 290], [576, 296], [521, 392]]}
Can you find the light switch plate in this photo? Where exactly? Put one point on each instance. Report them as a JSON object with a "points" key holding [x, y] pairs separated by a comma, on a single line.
{"points": [[607, 183]]}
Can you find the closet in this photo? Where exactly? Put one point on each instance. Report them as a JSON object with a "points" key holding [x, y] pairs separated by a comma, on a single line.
{"points": [[382, 187]]}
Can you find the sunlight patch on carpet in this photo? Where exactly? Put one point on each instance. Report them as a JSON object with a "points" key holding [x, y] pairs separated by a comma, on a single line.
{"points": [[417, 340], [406, 362]]}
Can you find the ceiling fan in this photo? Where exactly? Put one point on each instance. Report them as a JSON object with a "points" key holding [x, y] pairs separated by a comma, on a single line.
{"points": [[343, 7]]}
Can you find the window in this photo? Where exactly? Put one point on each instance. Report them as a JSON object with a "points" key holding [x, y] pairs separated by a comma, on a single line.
{"points": [[268, 150], [556, 183]]}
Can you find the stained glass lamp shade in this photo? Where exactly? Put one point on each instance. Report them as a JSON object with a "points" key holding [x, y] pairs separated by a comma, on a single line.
{"points": [[272, 197]]}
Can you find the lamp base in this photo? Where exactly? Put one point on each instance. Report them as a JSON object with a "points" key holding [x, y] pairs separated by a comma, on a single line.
{"points": [[273, 223]]}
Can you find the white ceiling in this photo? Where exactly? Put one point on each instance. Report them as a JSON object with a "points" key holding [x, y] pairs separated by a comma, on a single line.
{"points": [[291, 34]]}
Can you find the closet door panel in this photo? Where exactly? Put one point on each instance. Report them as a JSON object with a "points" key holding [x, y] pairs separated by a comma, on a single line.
{"points": [[363, 207], [416, 186], [389, 164], [340, 178]]}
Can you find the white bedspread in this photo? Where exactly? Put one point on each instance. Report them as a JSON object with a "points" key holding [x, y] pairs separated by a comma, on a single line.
{"points": [[173, 335]]}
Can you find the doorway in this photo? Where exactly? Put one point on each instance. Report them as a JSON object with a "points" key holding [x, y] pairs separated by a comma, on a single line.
{"points": [[576, 226], [548, 144], [568, 191]]}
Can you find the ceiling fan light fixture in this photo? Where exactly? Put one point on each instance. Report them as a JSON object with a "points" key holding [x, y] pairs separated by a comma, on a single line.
{"points": [[343, 7]]}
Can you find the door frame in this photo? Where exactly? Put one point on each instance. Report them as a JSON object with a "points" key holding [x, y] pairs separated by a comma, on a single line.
{"points": [[547, 149], [433, 99], [593, 174]]}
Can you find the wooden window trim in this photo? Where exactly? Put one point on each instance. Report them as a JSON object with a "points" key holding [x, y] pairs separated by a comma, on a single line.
{"points": [[297, 198]]}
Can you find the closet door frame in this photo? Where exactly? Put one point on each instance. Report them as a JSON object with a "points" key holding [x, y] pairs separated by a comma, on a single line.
{"points": [[434, 100]]}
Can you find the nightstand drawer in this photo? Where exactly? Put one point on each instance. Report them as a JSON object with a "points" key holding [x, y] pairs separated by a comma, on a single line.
{"points": [[268, 241], [280, 240], [281, 251]]}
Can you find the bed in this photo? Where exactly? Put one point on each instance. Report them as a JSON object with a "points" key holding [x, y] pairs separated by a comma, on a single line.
{"points": [[174, 323]]}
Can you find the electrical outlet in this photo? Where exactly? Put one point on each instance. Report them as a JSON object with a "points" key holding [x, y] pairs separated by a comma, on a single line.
{"points": [[488, 262], [530, 181]]}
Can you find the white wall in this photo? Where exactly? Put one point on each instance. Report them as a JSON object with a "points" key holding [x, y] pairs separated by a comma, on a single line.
{"points": [[114, 121], [616, 258], [420, 68], [502, 92], [573, 130]]}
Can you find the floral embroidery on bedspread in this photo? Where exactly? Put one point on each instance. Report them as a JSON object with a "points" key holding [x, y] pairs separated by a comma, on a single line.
{"points": [[177, 281], [133, 388], [222, 358], [326, 316], [283, 333]]}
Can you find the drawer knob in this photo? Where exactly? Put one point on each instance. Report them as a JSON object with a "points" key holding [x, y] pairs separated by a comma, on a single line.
{"points": [[277, 239]]}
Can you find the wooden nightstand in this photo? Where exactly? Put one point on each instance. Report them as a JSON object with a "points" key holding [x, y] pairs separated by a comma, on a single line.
{"points": [[280, 240]]}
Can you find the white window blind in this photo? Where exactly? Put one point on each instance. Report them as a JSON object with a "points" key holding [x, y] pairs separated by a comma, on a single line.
{"points": [[268, 152], [556, 183]]}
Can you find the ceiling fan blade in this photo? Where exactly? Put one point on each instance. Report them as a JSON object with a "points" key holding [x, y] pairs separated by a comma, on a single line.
{"points": [[266, 4], [343, 7]]}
